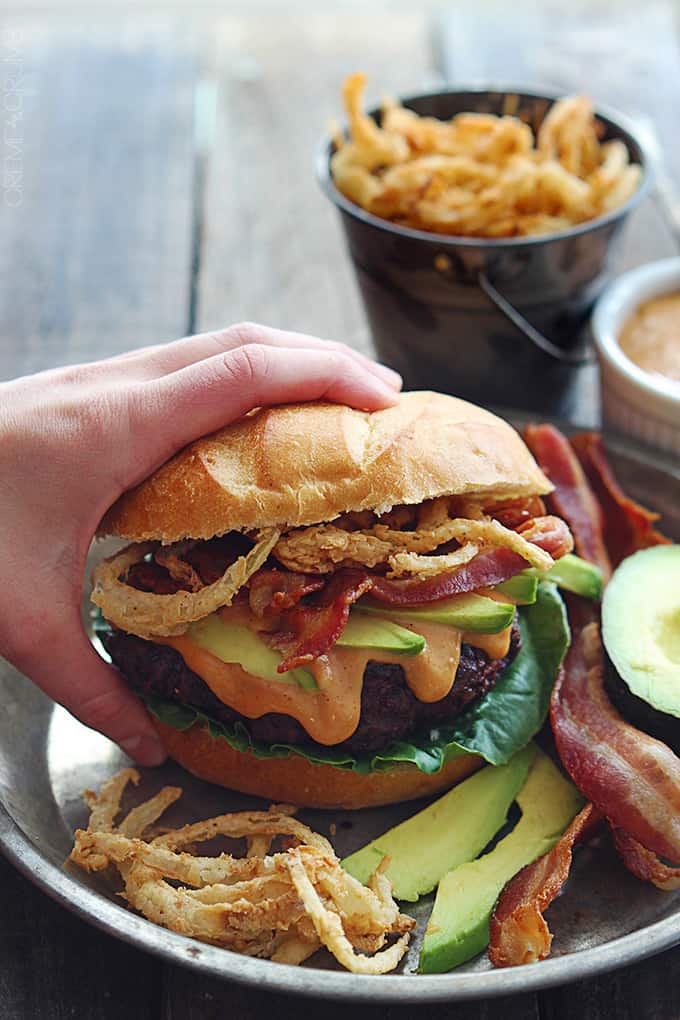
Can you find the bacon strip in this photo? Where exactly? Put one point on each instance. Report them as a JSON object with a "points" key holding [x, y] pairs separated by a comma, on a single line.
{"points": [[645, 864], [151, 576], [273, 591], [631, 777], [628, 525], [550, 533], [572, 498], [483, 571], [212, 558], [308, 631], [207, 559], [512, 513], [518, 931]]}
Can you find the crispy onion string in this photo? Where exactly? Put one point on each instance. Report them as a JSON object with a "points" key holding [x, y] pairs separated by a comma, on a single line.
{"points": [[322, 548], [429, 566], [281, 905], [146, 614]]}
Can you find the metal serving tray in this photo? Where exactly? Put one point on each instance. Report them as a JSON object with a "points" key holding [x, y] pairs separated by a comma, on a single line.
{"points": [[605, 919]]}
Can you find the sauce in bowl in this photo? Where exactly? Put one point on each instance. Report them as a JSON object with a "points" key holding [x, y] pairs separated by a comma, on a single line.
{"points": [[651, 336]]}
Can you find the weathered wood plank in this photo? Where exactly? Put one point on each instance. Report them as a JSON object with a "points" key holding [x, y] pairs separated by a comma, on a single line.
{"points": [[96, 235], [620, 58], [650, 989], [190, 997], [272, 249], [100, 261], [54, 966], [95, 257], [273, 252], [624, 60]]}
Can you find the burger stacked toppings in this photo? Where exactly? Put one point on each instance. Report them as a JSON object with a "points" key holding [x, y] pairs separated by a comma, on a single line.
{"points": [[326, 582]]}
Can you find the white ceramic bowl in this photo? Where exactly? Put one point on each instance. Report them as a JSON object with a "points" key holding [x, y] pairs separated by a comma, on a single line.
{"points": [[635, 402]]}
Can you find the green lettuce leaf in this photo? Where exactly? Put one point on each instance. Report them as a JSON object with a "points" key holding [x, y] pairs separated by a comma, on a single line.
{"points": [[495, 727]]}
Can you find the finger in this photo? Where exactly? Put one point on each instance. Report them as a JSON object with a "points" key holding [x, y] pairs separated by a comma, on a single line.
{"points": [[73, 674], [151, 362], [167, 413]]}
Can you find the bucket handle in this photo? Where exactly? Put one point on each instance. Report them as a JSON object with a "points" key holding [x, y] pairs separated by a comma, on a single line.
{"points": [[529, 331]]}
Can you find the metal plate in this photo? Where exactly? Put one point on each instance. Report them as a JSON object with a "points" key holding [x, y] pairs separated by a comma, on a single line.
{"points": [[605, 918]]}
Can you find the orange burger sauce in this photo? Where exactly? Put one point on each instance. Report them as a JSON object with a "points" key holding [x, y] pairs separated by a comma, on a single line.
{"points": [[330, 714], [651, 336]]}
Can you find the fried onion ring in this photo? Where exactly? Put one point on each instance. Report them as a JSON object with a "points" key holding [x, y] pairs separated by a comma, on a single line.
{"points": [[281, 905], [146, 614], [329, 928], [429, 566], [172, 558], [322, 548]]}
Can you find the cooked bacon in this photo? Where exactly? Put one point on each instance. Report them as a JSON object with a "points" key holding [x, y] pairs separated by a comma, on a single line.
{"points": [[324, 548], [484, 571], [628, 526], [488, 568], [151, 576], [308, 631], [273, 591], [212, 558], [171, 557], [548, 533], [572, 499], [175, 568], [631, 777], [518, 931], [645, 864], [512, 513]]}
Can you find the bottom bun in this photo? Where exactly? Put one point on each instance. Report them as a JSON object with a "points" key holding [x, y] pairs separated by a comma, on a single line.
{"points": [[295, 780]]}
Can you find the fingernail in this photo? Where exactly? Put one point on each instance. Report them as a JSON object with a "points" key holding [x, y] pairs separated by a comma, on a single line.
{"points": [[392, 378], [388, 392], [145, 750]]}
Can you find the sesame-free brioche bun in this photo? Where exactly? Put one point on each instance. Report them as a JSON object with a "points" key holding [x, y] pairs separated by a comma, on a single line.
{"points": [[295, 780], [303, 464]]}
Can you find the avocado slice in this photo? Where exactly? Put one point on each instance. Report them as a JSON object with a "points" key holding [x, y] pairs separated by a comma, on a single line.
{"points": [[454, 829], [641, 633], [574, 575], [459, 926], [466, 612], [233, 642], [522, 589], [384, 635]]}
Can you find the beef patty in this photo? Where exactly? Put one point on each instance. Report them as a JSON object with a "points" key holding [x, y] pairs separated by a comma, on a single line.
{"points": [[389, 710]]}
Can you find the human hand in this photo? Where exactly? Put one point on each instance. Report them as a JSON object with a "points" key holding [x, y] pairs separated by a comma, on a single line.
{"points": [[73, 439]]}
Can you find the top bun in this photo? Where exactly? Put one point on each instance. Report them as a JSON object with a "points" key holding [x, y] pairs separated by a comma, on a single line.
{"points": [[307, 463]]}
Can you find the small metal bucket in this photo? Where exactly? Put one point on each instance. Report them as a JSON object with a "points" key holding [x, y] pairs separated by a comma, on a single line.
{"points": [[497, 321]]}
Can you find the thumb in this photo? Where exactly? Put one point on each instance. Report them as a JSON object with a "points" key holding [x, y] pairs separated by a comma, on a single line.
{"points": [[73, 674]]}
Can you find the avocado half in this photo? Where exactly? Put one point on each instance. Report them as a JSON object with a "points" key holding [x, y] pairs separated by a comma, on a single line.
{"points": [[641, 634]]}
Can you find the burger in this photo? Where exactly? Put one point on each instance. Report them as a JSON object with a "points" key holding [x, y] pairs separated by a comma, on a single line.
{"points": [[338, 608]]}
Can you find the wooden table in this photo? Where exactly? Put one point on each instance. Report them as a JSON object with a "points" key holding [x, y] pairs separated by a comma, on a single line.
{"points": [[157, 181]]}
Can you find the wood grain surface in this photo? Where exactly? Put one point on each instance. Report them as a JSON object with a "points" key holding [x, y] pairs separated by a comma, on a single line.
{"points": [[271, 247], [615, 53], [96, 257], [168, 186]]}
